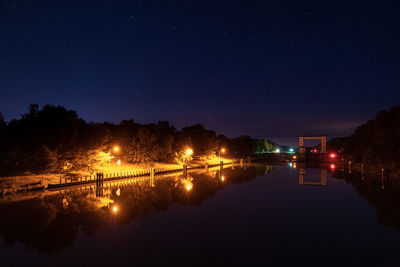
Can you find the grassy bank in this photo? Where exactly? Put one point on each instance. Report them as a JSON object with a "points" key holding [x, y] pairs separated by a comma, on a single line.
{"points": [[27, 182]]}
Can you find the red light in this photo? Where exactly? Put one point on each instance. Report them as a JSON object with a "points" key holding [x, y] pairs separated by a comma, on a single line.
{"points": [[332, 155], [333, 166]]}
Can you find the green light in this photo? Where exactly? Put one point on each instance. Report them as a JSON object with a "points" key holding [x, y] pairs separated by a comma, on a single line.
{"points": [[291, 150]]}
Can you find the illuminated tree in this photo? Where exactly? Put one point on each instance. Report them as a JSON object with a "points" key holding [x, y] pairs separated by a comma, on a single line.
{"points": [[143, 148], [269, 146]]}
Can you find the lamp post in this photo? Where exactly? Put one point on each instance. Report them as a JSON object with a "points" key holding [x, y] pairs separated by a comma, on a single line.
{"points": [[188, 153], [219, 152], [116, 149]]}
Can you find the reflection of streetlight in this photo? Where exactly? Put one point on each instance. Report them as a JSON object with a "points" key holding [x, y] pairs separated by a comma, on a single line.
{"points": [[189, 186], [187, 183], [119, 162], [222, 178], [115, 209]]}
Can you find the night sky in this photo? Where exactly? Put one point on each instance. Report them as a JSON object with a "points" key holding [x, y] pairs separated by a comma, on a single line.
{"points": [[272, 69]]}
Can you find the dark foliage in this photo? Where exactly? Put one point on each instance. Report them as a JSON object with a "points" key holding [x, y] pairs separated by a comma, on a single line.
{"points": [[2, 122], [43, 140], [376, 142]]}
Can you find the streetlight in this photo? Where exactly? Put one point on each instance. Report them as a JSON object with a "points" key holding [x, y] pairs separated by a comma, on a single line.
{"points": [[189, 152], [116, 149], [221, 150]]}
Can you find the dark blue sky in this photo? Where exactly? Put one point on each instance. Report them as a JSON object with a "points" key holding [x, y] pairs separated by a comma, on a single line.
{"points": [[262, 68]]}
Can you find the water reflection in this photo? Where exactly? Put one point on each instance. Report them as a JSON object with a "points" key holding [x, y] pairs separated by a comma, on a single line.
{"points": [[383, 195], [115, 209], [380, 193], [186, 182], [321, 180], [311, 180], [51, 223], [243, 217]]}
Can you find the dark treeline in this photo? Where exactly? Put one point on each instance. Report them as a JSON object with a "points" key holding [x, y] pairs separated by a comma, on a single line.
{"points": [[375, 143], [45, 140]]}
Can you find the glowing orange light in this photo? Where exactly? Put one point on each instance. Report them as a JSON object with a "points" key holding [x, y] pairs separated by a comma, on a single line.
{"points": [[189, 186], [332, 155], [119, 162], [189, 152], [294, 157], [294, 165], [116, 148], [222, 178], [223, 150], [115, 209]]}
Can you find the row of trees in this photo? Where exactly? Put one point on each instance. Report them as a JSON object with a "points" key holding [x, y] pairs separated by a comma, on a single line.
{"points": [[376, 142], [43, 140]]}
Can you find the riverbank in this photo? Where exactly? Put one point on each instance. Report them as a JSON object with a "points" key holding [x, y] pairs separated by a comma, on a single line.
{"points": [[375, 169], [31, 182]]}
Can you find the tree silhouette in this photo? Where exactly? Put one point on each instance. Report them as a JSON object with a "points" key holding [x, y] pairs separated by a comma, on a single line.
{"points": [[376, 142], [48, 138], [3, 123], [46, 160]]}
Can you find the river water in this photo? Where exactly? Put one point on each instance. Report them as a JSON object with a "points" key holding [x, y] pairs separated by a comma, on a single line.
{"points": [[243, 216]]}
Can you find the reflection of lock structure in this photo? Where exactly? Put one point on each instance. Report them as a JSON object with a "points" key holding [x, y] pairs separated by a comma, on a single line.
{"points": [[322, 182], [302, 172]]}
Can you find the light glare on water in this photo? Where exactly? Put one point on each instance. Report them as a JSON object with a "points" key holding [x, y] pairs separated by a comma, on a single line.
{"points": [[258, 214]]}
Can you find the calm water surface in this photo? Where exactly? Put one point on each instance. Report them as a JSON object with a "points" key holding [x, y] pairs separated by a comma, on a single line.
{"points": [[254, 215]]}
